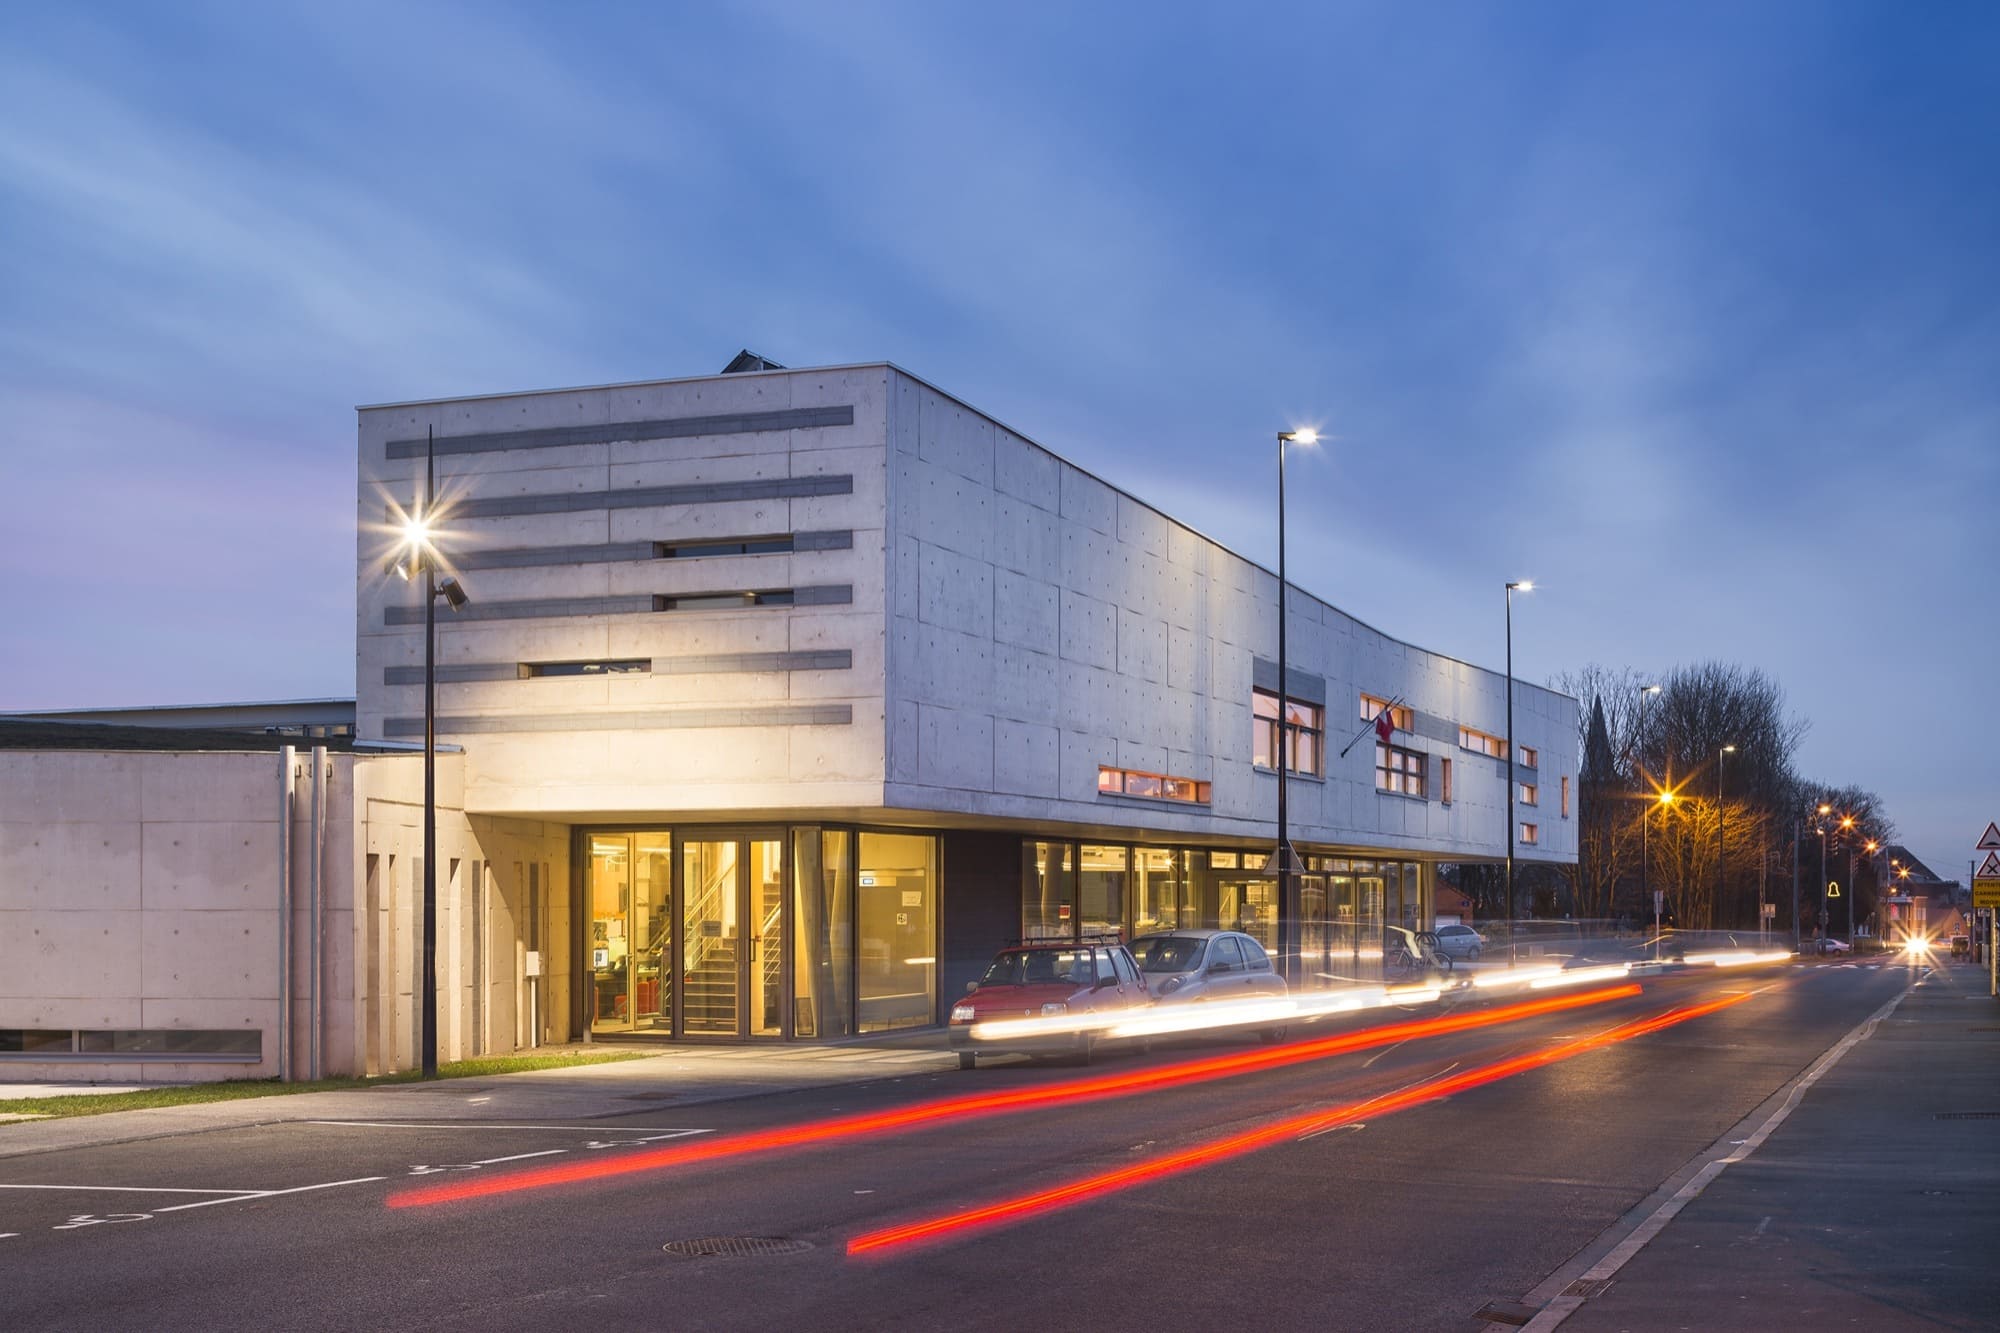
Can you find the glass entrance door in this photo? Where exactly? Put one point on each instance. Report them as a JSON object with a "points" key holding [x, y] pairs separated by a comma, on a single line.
{"points": [[630, 892], [732, 975]]}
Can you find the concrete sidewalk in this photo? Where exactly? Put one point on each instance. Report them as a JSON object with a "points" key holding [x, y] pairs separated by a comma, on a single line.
{"points": [[1875, 1204], [676, 1076]]}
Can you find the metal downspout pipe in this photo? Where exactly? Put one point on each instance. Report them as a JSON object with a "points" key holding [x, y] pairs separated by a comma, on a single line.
{"points": [[286, 789], [316, 913]]}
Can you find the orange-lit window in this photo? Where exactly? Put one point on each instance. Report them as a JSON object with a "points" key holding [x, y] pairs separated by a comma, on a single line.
{"points": [[1399, 770], [1531, 833], [1529, 794], [1565, 796], [1530, 757], [1444, 779], [1402, 719], [1156, 786], [1480, 742]]}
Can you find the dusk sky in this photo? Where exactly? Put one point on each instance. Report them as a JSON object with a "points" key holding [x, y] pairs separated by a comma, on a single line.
{"points": [[1690, 313]]}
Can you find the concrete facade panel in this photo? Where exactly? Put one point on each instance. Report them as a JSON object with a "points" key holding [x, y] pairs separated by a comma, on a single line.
{"points": [[189, 866], [1026, 758], [80, 867]]}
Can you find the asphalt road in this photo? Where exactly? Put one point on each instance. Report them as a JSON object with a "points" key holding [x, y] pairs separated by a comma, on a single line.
{"points": [[1237, 1206]]}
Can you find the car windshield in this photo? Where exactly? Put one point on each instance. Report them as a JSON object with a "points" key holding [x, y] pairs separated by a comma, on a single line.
{"points": [[1168, 953], [1039, 967]]}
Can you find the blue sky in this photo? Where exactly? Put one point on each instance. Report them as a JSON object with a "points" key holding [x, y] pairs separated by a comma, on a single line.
{"points": [[1689, 312]]}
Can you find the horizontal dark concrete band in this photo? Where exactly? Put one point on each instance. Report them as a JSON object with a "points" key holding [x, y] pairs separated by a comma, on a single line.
{"points": [[619, 432], [831, 594], [523, 557], [690, 665], [649, 497], [783, 715]]}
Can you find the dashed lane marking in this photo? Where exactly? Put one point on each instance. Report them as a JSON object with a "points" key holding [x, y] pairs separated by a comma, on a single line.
{"points": [[272, 1194], [480, 1124], [519, 1157]]}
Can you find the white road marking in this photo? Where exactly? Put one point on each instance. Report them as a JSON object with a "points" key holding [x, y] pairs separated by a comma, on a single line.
{"points": [[272, 1194], [1362, 1124], [519, 1157], [480, 1124], [128, 1189]]}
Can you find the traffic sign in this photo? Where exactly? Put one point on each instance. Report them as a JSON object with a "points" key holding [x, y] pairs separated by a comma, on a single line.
{"points": [[1833, 888], [1990, 840], [1986, 892], [1991, 869]]}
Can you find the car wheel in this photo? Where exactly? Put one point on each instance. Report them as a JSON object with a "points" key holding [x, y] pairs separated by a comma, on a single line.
{"points": [[1086, 1048], [1472, 954], [966, 1059]]}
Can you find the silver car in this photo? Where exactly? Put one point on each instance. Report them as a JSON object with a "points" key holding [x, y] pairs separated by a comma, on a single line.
{"points": [[1460, 942], [1192, 966]]}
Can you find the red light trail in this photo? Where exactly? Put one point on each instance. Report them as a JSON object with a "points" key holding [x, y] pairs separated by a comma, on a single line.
{"points": [[953, 1225], [1007, 1102]]}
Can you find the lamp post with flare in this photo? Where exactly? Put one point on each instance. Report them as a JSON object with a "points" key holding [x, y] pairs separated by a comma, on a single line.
{"points": [[419, 552]]}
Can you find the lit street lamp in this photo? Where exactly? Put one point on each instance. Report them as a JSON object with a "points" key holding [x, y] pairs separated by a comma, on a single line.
{"points": [[1646, 812], [419, 551], [1720, 813], [1284, 862], [1666, 799], [1513, 935]]}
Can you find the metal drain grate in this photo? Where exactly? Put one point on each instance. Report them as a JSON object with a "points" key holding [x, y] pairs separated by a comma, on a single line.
{"points": [[1967, 1115], [1587, 1287], [734, 1247]]}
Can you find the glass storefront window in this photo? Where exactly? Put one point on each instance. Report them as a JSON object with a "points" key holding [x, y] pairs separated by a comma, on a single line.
{"points": [[1161, 899], [1048, 891], [651, 930], [1101, 890], [609, 892], [822, 933], [896, 893]]}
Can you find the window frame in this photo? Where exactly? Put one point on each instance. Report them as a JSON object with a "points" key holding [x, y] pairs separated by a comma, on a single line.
{"points": [[1401, 716], [1393, 779], [1307, 732], [1482, 742], [1529, 835]]}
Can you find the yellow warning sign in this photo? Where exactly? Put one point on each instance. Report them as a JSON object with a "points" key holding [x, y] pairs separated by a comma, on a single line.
{"points": [[1986, 892]]}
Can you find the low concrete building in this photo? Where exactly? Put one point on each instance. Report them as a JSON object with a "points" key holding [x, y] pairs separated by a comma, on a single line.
{"points": [[782, 699]]}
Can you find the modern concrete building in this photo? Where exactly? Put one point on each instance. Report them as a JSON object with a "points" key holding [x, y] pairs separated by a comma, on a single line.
{"points": [[783, 698], [812, 687]]}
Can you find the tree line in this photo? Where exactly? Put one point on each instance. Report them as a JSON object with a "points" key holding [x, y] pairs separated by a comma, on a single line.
{"points": [[1687, 787]]}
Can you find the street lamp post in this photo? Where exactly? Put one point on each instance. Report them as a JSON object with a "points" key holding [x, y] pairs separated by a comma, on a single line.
{"points": [[1820, 828], [1666, 800], [1284, 858], [1646, 810], [1513, 934], [419, 536], [1721, 812]]}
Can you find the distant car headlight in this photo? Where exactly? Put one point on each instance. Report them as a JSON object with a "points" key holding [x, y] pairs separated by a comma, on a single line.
{"points": [[1055, 1007], [1170, 985], [962, 1013]]}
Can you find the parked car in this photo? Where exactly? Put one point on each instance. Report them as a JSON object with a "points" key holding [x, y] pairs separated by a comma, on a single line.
{"points": [[1058, 982], [1831, 945], [1193, 966], [1460, 942]]}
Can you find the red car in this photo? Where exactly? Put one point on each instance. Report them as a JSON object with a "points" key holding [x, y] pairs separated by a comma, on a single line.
{"points": [[1046, 999]]}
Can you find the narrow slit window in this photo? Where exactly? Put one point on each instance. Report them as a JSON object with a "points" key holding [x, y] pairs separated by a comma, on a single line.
{"points": [[628, 666], [724, 601], [695, 549]]}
